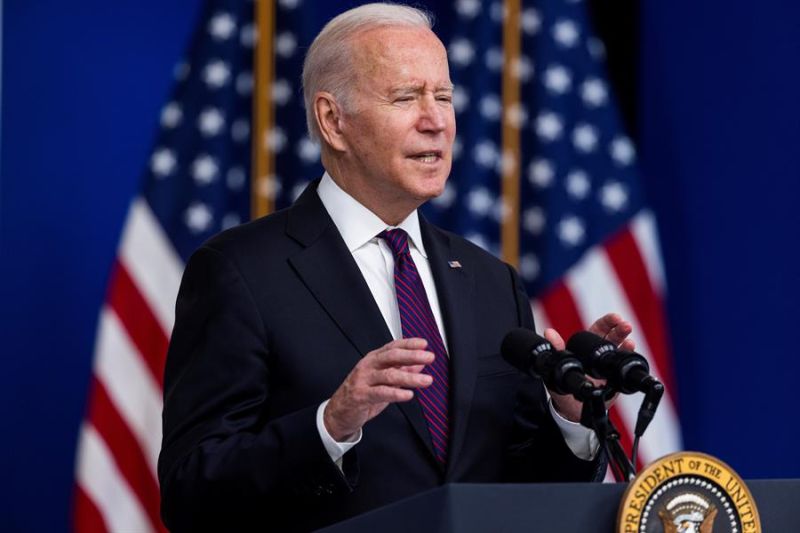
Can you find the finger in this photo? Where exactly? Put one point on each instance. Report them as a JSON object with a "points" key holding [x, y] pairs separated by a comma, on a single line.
{"points": [[555, 338], [603, 325], [397, 378], [629, 345], [385, 393], [412, 368], [412, 343], [620, 333], [401, 357]]}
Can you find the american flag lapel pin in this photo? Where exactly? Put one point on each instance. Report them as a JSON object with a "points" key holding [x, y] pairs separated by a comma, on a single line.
{"points": [[454, 264]]}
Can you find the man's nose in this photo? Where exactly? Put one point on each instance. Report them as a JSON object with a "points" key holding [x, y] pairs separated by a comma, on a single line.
{"points": [[433, 115]]}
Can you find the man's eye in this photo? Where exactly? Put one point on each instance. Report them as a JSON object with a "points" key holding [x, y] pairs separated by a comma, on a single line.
{"points": [[404, 99]]}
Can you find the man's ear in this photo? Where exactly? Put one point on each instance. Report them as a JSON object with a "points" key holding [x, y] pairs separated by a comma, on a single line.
{"points": [[328, 116]]}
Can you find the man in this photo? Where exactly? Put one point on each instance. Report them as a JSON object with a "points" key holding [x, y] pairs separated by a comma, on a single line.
{"points": [[288, 405]]}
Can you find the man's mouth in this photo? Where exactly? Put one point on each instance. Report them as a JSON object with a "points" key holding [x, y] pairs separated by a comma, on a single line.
{"points": [[427, 157]]}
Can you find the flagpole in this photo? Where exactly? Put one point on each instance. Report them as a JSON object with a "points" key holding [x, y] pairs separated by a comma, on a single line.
{"points": [[510, 161], [263, 174]]}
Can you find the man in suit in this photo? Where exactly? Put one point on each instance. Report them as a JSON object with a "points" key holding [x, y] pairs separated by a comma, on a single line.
{"points": [[343, 353]]}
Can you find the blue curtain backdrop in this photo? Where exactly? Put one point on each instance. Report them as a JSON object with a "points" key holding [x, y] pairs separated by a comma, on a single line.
{"points": [[719, 125]]}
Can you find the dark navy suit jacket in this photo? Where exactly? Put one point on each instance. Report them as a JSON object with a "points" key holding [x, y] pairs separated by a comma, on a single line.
{"points": [[271, 317]]}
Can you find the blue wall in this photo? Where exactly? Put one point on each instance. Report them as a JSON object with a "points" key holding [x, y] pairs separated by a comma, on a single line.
{"points": [[720, 127]]}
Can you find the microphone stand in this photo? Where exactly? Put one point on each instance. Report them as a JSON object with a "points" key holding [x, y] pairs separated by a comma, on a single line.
{"points": [[595, 416]]}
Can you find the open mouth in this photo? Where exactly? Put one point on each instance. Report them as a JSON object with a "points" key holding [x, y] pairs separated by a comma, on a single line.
{"points": [[427, 157]]}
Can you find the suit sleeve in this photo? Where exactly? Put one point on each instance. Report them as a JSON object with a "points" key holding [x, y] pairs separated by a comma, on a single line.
{"points": [[222, 460], [538, 451]]}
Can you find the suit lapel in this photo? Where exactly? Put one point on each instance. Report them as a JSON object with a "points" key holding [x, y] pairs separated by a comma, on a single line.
{"points": [[454, 286], [341, 290]]}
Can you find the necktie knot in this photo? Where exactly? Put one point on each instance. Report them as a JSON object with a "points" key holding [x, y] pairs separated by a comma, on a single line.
{"points": [[397, 239]]}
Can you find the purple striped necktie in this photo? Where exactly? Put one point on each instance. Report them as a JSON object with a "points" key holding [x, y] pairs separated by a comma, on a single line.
{"points": [[417, 321]]}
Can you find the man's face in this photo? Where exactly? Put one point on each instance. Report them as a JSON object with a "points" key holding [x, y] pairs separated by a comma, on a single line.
{"points": [[400, 128]]}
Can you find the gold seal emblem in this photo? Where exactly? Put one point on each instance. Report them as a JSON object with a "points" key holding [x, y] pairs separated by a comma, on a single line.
{"points": [[688, 492]]}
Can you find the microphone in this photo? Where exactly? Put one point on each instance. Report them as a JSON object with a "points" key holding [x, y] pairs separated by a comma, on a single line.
{"points": [[534, 355], [627, 372]]}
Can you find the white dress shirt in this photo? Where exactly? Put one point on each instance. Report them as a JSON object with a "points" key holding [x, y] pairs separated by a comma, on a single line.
{"points": [[359, 228]]}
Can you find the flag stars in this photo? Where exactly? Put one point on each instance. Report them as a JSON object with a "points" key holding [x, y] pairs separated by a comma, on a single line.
{"points": [[565, 33], [244, 83], [530, 21], [541, 173], [308, 150], [281, 92], [289, 4], [446, 199], [585, 138], [571, 230], [529, 267], [285, 44], [231, 220], [549, 126], [533, 220], [614, 196], [596, 48], [461, 52], [221, 26], [210, 122], [216, 74], [494, 59], [622, 151], [460, 99], [486, 153], [480, 201], [594, 92], [498, 11], [275, 140], [557, 79], [491, 108], [468, 8], [578, 184], [198, 217], [248, 36], [235, 179], [240, 130], [204, 169], [171, 115], [163, 162]]}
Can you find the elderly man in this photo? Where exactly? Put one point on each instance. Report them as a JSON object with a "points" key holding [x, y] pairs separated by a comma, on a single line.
{"points": [[343, 353]]}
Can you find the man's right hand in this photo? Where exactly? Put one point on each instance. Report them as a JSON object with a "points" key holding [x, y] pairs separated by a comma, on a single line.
{"points": [[383, 376]]}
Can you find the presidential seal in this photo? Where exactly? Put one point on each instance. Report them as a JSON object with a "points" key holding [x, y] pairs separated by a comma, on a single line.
{"points": [[688, 492]]}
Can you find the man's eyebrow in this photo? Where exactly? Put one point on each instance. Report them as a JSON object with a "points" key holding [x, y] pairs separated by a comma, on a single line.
{"points": [[418, 87]]}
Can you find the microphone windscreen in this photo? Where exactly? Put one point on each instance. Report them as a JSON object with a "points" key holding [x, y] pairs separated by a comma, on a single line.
{"points": [[587, 344], [519, 344]]}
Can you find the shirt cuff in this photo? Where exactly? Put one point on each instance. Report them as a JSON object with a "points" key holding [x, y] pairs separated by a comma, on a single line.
{"points": [[336, 450], [581, 440]]}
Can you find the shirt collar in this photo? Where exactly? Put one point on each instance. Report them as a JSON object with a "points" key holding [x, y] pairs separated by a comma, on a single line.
{"points": [[357, 224]]}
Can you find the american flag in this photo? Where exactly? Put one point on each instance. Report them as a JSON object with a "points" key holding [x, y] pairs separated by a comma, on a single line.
{"points": [[195, 185], [587, 243]]}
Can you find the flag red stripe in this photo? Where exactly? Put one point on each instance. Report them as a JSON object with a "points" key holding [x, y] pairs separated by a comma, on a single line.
{"points": [[127, 453], [86, 516], [561, 310], [627, 261], [139, 321]]}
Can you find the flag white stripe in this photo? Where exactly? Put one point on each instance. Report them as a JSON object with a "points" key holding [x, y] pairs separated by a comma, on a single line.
{"points": [[540, 318], [98, 476], [133, 391], [645, 233], [596, 290], [152, 262]]}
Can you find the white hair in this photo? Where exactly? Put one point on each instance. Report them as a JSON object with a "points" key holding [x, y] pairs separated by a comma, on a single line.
{"points": [[328, 64]]}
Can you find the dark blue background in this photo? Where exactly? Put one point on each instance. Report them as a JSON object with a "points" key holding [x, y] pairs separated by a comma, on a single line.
{"points": [[719, 121]]}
